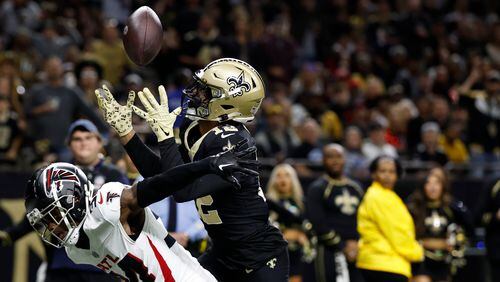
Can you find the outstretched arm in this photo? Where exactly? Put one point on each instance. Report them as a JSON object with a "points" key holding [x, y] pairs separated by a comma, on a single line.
{"points": [[160, 186]]}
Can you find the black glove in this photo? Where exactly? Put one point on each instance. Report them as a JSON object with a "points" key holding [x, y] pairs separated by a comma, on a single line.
{"points": [[235, 161]]}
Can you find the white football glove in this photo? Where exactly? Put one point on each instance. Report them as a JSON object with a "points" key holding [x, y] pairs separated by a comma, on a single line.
{"points": [[117, 116], [157, 115]]}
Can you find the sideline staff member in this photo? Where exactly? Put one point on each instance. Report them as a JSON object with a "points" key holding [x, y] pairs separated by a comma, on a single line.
{"points": [[387, 243]]}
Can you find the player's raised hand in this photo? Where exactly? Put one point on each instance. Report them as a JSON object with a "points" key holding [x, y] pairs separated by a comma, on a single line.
{"points": [[117, 116], [158, 116], [235, 161]]}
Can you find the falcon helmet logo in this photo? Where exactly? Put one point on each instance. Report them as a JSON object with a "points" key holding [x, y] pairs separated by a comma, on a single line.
{"points": [[238, 85], [55, 177]]}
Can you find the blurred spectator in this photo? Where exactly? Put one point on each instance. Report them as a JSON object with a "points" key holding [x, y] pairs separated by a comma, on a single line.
{"points": [[23, 60], [440, 111], [376, 144], [437, 218], [201, 46], [387, 245], [413, 134], [310, 146], [19, 13], [89, 78], [12, 89], [239, 44], [356, 164], [278, 139], [332, 202], [452, 144], [49, 42], [110, 53], [285, 190], [51, 107], [483, 106], [277, 51], [10, 135], [308, 81], [429, 150]]}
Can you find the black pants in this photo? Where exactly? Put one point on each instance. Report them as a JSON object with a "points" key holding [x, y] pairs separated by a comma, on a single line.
{"points": [[276, 269], [381, 276], [74, 275], [329, 266]]}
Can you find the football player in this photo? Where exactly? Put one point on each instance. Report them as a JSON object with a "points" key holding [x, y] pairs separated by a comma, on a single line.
{"points": [[331, 205], [112, 228], [222, 97]]}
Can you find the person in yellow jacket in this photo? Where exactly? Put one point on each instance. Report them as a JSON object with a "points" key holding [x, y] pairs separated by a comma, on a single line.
{"points": [[387, 244]]}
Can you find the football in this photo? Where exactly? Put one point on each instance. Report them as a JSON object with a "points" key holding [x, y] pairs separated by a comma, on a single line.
{"points": [[142, 37]]}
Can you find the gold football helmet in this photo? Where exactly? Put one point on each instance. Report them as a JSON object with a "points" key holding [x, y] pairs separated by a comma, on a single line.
{"points": [[226, 89]]}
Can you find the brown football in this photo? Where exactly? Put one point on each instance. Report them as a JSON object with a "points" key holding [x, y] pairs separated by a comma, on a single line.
{"points": [[142, 37]]}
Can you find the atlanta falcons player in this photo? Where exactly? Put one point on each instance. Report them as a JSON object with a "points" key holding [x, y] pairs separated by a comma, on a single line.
{"points": [[112, 229]]}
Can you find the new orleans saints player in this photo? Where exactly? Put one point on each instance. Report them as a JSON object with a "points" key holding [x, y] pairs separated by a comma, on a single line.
{"points": [[224, 95], [331, 205]]}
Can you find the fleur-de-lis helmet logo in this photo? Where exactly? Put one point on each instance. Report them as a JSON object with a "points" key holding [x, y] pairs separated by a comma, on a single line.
{"points": [[237, 85]]}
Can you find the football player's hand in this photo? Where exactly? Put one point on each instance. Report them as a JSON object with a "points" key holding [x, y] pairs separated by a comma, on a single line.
{"points": [[158, 116], [235, 161], [117, 116], [5, 239]]}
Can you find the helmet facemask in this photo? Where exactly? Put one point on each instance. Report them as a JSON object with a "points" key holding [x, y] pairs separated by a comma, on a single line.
{"points": [[197, 97], [54, 220], [60, 204]]}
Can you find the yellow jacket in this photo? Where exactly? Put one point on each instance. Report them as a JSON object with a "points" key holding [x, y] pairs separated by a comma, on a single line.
{"points": [[387, 233]]}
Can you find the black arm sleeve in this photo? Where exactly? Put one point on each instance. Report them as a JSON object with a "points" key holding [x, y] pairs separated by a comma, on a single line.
{"points": [[19, 230], [199, 187], [202, 186], [158, 187], [146, 161]]}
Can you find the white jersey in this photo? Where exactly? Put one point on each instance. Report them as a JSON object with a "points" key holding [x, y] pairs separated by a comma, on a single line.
{"points": [[152, 256]]}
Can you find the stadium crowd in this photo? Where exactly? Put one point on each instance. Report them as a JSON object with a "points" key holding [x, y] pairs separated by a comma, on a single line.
{"points": [[415, 80]]}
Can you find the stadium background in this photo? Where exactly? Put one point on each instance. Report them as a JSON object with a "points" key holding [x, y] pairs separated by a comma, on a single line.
{"points": [[352, 72]]}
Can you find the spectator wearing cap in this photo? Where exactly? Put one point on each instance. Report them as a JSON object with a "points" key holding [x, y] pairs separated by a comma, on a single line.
{"points": [[86, 144], [452, 145], [10, 134], [376, 145], [429, 150]]}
